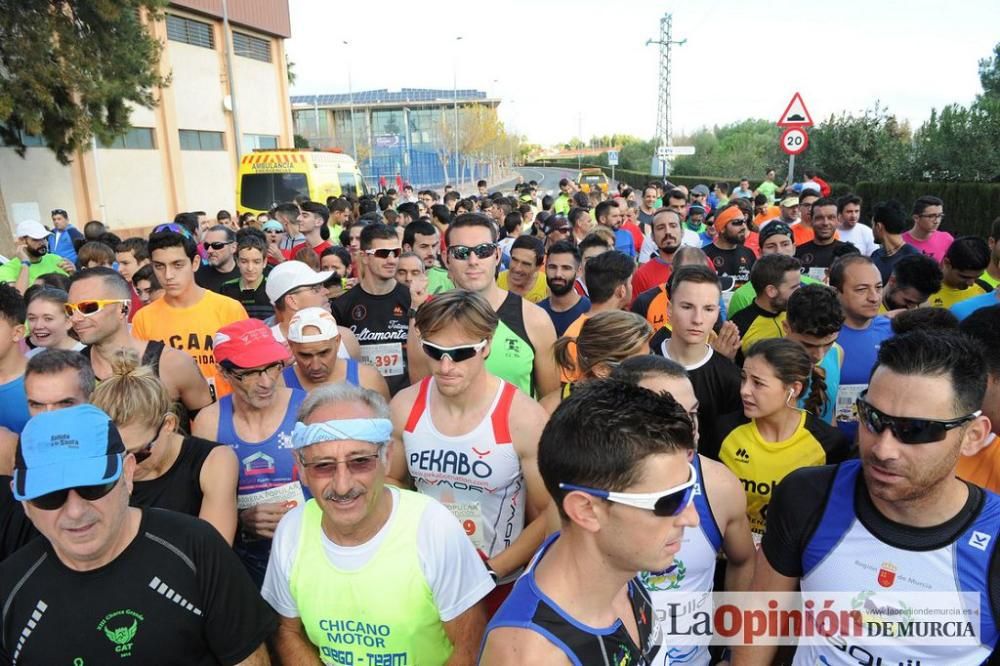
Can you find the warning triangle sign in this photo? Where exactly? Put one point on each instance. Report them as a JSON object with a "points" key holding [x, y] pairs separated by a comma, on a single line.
{"points": [[796, 114]]}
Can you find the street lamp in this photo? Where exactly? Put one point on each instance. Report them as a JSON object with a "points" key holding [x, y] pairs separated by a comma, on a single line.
{"points": [[454, 89]]}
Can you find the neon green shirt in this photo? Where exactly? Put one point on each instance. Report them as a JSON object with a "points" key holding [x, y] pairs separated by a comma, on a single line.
{"points": [[49, 263]]}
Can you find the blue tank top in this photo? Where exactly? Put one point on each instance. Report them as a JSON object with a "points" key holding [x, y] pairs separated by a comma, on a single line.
{"points": [[292, 379], [265, 464], [528, 607], [840, 541], [831, 366]]}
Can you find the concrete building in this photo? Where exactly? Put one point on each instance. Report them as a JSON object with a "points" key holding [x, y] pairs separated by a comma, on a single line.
{"points": [[181, 155], [407, 133]]}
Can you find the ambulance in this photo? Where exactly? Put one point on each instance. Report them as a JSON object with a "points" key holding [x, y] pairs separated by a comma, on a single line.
{"points": [[268, 177]]}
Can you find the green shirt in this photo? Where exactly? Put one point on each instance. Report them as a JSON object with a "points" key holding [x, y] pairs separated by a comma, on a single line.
{"points": [[438, 281], [768, 189], [49, 263], [561, 204], [989, 279], [744, 296]]}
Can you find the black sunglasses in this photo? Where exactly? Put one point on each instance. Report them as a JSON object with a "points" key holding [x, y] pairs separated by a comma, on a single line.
{"points": [[462, 252], [59, 211], [55, 499], [142, 453], [908, 430], [216, 246], [738, 223]]}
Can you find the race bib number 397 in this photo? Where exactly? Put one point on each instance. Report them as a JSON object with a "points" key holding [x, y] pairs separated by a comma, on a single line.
{"points": [[386, 358]]}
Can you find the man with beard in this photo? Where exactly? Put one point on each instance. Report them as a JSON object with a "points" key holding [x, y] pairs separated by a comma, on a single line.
{"points": [[564, 305], [667, 236], [774, 278], [727, 252], [220, 245], [900, 504], [610, 215], [33, 258], [818, 254]]}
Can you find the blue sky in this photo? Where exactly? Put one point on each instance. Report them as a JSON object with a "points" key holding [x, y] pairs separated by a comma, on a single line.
{"points": [[557, 63]]}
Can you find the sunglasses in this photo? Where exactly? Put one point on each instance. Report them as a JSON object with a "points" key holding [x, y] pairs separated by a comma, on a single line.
{"points": [[55, 500], [664, 504], [175, 228], [58, 211], [142, 453], [215, 246], [272, 371], [385, 252], [908, 430], [462, 252], [327, 468], [456, 354], [90, 308], [737, 223]]}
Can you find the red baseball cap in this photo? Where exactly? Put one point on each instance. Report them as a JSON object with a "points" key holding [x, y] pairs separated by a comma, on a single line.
{"points": [[248, 343]]}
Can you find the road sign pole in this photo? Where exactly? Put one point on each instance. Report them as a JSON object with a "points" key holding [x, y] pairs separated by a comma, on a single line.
{"points": [[612, 172], [791, 170]]}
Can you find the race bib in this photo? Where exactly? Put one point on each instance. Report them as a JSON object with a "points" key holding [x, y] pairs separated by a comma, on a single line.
{"points": [[470, 515], [288, 492], [817, 273], [386, 358], [847, 396]]}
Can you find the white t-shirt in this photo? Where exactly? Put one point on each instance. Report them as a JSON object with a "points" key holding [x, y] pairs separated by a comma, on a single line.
{"points": [[454, 571], [861, 236]]}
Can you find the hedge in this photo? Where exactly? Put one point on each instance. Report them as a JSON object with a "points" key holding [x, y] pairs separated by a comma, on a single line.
{"points": [[969, 208]]}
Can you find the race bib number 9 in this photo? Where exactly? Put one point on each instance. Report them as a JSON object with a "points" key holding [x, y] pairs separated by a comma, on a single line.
{"points": [[386, 358], [470, 515]]}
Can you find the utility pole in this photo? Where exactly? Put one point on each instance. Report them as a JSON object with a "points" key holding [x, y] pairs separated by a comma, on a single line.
{"points": [[664, 130]]}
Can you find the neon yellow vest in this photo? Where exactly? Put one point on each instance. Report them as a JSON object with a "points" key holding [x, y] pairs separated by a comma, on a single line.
{"points": [[382, 613]]}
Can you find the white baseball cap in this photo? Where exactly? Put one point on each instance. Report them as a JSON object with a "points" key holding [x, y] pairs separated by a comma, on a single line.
{"points": [[32, 229], [290, 275], [317, 317]]}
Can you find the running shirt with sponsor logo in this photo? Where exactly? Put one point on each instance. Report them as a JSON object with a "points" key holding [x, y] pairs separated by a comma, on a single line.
{"points": [[760, 465], [380, 323], [687, 583], [477, 476], [825, 530]]}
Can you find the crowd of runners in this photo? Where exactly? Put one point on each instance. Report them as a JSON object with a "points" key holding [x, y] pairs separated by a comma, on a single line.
{"points": [[498, 428]]}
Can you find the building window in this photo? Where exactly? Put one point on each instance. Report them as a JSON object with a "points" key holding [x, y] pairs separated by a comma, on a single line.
{"points": [[29, 140], [189, 31], [201, 140], [256, 141], [137, 138], [251, 47]]}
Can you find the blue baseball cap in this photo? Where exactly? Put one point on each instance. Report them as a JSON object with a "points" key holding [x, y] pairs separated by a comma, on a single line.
{"points": [[67, 448], [272, 225]]}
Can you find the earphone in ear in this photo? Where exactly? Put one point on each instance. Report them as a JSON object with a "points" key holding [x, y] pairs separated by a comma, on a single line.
{"points": [[790, 392]]}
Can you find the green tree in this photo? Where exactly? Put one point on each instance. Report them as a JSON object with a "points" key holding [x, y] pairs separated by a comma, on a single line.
{"points": [[852, 148], [732, 151], [960, 144], [989, 73], [70, 68]]}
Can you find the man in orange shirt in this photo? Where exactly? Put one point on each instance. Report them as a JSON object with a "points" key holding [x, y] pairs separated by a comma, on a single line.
{"points": [[983, 468], [803, 229], [188, 316]]}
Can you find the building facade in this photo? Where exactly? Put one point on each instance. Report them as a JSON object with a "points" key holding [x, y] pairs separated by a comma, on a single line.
{"points": [[409, 134], [183, 154]]}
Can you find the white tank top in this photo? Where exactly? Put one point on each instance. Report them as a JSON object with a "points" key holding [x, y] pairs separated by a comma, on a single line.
{"points": [[477, 475], [687, 585]]}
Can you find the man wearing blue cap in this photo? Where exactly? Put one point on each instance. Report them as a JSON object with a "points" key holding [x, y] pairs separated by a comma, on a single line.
{"points": [[110, 581], [360, 550]]}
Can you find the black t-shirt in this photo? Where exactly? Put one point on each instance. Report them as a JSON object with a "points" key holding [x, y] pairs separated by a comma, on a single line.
{"points": [[254, 301], [176, 595], [735, 263], [812, 255], [886, 262], [179, 488], [716, 382], [15, 528], [209, 278], [380, 324]]}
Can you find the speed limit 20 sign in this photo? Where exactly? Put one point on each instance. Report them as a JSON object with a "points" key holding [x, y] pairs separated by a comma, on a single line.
{"points": [[794, 140]]}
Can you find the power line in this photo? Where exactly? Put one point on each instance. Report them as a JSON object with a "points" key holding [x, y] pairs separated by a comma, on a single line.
{"points": [[664, 130]]}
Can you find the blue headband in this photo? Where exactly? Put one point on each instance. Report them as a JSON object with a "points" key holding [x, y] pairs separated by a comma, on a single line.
{"points": [[376, 431]]}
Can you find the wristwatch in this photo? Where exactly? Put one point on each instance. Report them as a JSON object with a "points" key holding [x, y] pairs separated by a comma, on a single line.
{"points": [[493, 574], [412, 313]]}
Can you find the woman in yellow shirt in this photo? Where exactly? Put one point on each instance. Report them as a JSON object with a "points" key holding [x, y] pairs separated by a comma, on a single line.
{"points": [[772, 436]]}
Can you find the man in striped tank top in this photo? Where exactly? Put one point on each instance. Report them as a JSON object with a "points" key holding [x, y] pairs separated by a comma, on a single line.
{"points": [[470, 439]]}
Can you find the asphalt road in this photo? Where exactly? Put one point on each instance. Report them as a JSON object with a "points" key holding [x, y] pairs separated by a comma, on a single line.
{"points": [[547, 178]]}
